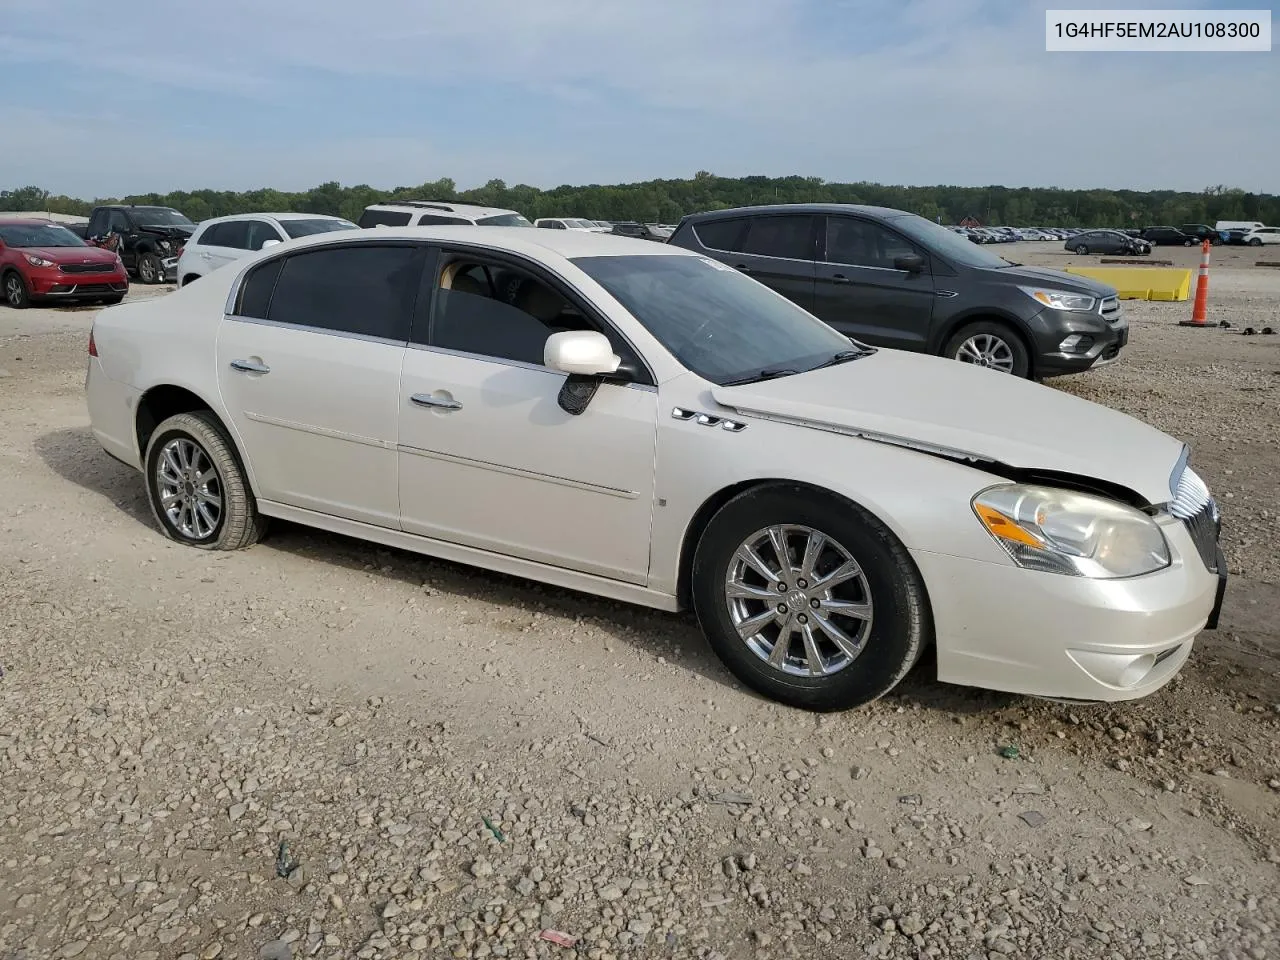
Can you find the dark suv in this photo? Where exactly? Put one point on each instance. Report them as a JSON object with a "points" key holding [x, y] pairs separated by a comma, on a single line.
{"points": [[894, 279], [1168, 237], [149, 239]]}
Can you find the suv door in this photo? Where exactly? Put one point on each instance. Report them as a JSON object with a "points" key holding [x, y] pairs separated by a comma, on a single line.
{"points": [[779, 250], [222, 243], [489, 459], [863, 293], [308, 366]]}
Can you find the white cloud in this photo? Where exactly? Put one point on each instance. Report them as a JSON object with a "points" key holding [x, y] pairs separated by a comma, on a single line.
{"points": [[926, 91]]}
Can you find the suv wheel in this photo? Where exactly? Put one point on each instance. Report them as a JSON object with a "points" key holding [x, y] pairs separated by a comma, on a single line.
{"points": [[15, 290], [150, 270], [991, 345], [1255, 241]]}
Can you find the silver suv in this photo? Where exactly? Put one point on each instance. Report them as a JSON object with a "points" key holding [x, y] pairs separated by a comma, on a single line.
{"points": [[220, 240], [416, 213]]}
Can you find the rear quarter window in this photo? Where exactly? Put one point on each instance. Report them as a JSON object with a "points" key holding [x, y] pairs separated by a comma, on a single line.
{"points": [[385, 218], [721, 234]]}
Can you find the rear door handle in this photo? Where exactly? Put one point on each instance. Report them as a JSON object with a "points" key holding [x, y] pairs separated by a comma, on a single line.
{"points": [[249, 366], [427, 400], [840, 278], [743, 267]]}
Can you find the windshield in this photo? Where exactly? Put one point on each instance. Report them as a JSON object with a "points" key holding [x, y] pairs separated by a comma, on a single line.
{"points": [[716, 322], [160, 216], [585, 224], [940, 240], [504, 220], [39, 235], [305, 228]]}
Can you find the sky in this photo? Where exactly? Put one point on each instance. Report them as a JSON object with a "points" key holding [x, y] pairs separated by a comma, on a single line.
{"points": [[109, 100]]}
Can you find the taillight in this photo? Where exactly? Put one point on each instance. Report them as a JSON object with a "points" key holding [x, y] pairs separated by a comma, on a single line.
{"points": [[180, 249], [93, 347]]}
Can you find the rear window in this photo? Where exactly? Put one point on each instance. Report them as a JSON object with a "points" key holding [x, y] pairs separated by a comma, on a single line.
{"points": [[721, 234], [385, 218]]}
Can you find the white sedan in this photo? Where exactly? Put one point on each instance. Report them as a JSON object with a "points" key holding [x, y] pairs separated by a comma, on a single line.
{"points": [[636, 421]]}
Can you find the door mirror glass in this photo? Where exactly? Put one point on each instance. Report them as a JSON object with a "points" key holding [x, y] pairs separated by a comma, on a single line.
{"points": [[910, 262], [268, 243], [582, 352]]}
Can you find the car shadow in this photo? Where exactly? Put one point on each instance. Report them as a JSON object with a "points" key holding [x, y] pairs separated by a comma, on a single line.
{"points": [[76, 456]]}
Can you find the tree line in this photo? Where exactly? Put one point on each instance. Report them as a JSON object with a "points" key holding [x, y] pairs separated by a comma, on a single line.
{"points": [[665, 201]]}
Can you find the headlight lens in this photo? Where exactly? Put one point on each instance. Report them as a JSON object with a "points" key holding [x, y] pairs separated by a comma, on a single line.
{"points": [[38, 261], [1060, 299], [1060, 531]]}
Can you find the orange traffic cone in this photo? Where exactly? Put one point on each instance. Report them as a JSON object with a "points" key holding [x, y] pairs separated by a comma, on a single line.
{"points": [[1200, 310]]}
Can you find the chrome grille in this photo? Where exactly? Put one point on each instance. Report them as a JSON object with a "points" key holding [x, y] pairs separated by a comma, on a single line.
{"points": [[1194, 506]]}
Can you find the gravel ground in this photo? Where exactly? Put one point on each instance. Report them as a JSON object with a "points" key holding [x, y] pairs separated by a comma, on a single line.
{"points": [[320, 748]]}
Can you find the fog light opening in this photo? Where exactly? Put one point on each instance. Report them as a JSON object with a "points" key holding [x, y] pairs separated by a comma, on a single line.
{"points": [[1137, 670], [1076, 343]]}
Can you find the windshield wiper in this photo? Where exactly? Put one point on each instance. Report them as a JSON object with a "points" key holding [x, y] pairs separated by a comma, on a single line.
{"points": [[844, 356], [768, 374], [1012, 263]]}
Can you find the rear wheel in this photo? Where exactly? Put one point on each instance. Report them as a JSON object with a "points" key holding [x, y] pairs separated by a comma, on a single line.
{"points": [[150, 270], [992, 345], [808, 599], [15, 290], [196, 486]]}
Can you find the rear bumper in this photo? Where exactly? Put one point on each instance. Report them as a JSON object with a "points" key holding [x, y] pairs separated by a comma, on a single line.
{"points": [[112, 408]]}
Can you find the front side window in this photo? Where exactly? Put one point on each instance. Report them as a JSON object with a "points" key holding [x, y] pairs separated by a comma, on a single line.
{"points": [[258, 232], [118, 223], [863, 243], [230, 233], [385, 218], [493, 309], [718, 323], [368, 289], [784, 237]]}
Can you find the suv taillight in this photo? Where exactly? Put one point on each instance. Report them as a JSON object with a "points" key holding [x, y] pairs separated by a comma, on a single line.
{"points": [[93, 347]]}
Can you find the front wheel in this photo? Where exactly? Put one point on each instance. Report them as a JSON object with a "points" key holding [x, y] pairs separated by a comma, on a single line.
{"points": [[1082, 250], [1187, 243], [990, 345], [15, 291], [1255, 242], [150, 269], [196, 486], [809, 599]]}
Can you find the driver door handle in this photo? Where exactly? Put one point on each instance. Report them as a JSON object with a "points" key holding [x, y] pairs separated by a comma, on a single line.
{"points": [[249, 366], [840, 278], [427, 400]]}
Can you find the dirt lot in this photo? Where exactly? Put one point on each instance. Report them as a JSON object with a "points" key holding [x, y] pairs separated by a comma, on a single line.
{"points": [[456, 761]]}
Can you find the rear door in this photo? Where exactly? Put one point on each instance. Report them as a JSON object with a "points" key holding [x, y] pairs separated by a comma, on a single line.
{"points": [[222, 243], [779, 250], [863, 293]]}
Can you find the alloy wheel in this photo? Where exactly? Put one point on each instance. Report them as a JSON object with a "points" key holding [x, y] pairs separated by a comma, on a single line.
{"points": [[190, 489], [13, 290], [798, 600], [987, 350]]}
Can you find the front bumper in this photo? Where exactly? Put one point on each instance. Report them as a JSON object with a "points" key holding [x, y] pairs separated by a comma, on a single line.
{"points": [[1051, 327], [53, 284], [1041, 634], [170, 266]]}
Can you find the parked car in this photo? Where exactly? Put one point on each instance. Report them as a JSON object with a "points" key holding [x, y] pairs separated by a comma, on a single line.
{"points": [[1107, 241], [643, 231], [1167, 236], [895, 279], [221, 240], [1234, 237], [1200, 232], [149, 239], [1260, 235], [44, 261], [567, 223], [1041, 543], [1238, 225], [404, 213]]}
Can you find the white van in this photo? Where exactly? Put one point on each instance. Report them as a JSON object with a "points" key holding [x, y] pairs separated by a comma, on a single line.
{"points": [[1238, 225]]}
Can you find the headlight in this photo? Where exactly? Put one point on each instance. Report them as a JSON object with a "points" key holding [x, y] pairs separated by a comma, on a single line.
{"points": [[1060, 531], [38, 261], [1060, 299]]}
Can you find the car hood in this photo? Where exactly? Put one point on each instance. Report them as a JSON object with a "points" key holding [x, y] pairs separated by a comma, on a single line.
{"points": [[1042, 276], [168, 230], [72, 254], [955, 409]]}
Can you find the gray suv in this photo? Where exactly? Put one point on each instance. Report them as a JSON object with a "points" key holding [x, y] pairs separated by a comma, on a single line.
{"points": [[894, 279]]}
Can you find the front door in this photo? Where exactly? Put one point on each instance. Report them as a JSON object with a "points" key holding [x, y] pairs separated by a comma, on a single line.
{"points": [[309, 366], [863, 293], [488, 457]]}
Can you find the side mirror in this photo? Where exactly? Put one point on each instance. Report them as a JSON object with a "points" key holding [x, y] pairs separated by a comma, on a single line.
{"points": [[910, 262], [268, 243], [585, 353]]}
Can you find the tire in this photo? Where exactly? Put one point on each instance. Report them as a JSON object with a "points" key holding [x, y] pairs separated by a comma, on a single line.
{"points": [[887, 645], [997, 340], [16, 294], [237, 523], [150, 269], [1255, 242], [1082, 250], [1187, 243]]}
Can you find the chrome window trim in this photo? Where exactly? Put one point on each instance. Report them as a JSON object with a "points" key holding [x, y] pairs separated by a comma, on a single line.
{"points": [[520, 364], [341, 334]]}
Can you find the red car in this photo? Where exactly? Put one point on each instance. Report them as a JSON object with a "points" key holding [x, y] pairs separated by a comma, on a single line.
{"points": [[43, 260]]}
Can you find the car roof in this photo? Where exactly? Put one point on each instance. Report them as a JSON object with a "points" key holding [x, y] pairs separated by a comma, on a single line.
{"points": [[798, 208], [446, 206], [520, 240], [27, 222]]}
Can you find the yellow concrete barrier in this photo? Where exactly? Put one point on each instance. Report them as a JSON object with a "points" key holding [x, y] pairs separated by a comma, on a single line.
{"points": [[1141, 283]]}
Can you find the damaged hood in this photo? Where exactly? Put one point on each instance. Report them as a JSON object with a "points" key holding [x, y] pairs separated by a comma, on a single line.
{"points": [[959, 410]]}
